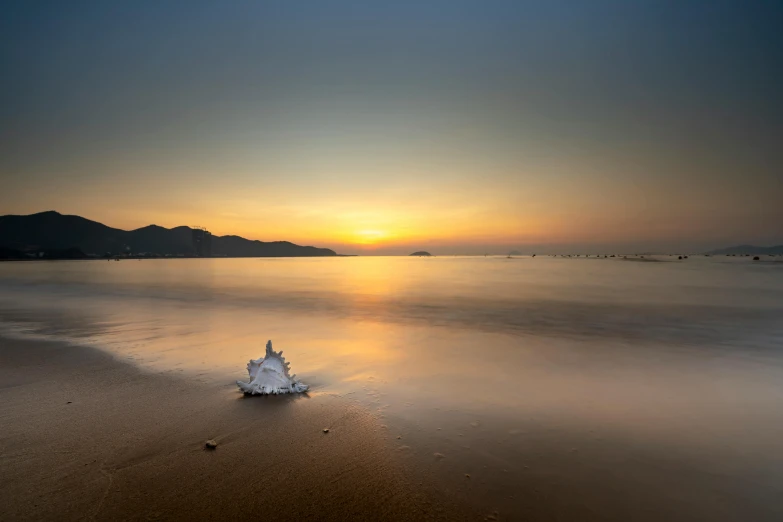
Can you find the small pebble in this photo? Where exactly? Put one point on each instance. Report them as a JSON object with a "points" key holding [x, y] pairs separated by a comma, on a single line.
{"points": [[210, 444], [467, 475], [326, 430]]}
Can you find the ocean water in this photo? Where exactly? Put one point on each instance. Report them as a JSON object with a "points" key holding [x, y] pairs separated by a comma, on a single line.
{"points": [[661, 380]]}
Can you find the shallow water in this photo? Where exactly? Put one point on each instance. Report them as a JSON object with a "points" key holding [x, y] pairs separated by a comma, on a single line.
{"points": [[651, 376]]}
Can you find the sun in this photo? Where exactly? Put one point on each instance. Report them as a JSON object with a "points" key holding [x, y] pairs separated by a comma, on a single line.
{"points": [[370, 237]]}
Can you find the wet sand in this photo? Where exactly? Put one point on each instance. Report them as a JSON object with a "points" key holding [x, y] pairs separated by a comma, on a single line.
{"points": [[88, 437]]}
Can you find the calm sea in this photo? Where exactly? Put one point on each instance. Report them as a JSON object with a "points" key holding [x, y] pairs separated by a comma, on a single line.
{"points": [[668, 373]]}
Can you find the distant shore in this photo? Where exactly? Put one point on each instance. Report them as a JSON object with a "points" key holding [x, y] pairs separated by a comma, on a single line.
{"points": [[139, 258]]}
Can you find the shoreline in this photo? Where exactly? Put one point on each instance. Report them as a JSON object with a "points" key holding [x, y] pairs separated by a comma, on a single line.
{"points": [[90, 437], [153, 258]]}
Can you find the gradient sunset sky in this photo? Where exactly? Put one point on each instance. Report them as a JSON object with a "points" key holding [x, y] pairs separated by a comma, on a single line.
{"points": [[388, 127]]}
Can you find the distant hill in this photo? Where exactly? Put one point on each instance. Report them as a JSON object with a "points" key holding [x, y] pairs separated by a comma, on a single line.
{"points": [[748, 249], [52, 231], [421, 253], [65, 253]]}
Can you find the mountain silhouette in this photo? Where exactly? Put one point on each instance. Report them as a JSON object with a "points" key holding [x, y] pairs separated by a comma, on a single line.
{"points": [[54, 231]]}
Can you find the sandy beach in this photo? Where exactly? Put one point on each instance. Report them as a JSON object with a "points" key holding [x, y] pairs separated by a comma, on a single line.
{"points": [[391, 261], [554, 390], [86, 437]]}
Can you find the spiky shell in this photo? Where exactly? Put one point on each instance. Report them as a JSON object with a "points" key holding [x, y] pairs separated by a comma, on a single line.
{"points": [[270, 375]]}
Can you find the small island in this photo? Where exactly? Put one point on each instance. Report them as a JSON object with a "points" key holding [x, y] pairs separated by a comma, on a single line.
{"points": [[421, 253]]}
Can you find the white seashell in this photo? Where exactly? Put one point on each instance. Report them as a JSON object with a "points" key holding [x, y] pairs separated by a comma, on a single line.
{"points": [[269, 375]]}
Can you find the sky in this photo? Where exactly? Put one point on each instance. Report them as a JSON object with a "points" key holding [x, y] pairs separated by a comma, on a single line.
{"points": [[386, 127]]}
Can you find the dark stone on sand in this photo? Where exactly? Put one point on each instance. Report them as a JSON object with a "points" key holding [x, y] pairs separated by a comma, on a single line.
{"points": [[210, 444], [756, 258], [326, 430]]}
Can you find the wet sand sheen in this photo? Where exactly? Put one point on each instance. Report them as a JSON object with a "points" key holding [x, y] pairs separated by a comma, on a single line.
{"points": [[472, 388], [88, 437]]}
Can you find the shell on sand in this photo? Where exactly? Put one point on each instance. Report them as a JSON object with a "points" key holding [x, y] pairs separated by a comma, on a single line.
{"points": [[269, 375]]}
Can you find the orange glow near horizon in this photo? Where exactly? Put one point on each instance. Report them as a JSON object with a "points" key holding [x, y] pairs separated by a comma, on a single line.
{"points": [[349, 227], [499, 208], [370, 237], [462, 129]]}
